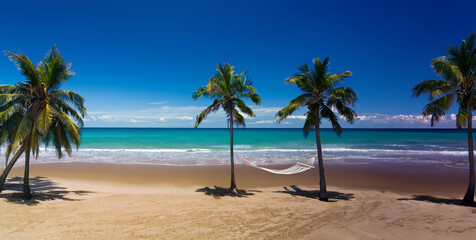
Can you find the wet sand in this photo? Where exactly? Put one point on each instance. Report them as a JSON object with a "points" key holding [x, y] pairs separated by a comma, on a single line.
{"points": [[399, 177]]}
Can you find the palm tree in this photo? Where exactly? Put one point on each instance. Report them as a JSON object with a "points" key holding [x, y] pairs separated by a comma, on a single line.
{"points": [[36, 111], [321, 95], [458, 70], [227, 88]]}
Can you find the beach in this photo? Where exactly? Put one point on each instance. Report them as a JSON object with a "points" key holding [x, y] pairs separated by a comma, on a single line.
{"points": [[213, 120], [140, 201]]}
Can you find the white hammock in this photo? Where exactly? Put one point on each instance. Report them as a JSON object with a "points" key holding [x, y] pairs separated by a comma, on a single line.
{"points": [[299, 167]]}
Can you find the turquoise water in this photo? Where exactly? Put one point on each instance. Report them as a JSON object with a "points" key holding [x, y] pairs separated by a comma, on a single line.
{"points": [[266, 146]]}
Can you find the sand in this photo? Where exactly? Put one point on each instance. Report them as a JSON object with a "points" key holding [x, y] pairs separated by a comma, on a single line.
{"points": [[112, 201]]}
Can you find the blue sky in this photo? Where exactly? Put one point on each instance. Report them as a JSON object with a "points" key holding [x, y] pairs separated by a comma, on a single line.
{"points": [[138, 62]]}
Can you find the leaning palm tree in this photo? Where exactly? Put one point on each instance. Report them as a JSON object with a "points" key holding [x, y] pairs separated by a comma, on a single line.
{"points": [[321, 95], [227, 88], [458, 70], [36, 111]]}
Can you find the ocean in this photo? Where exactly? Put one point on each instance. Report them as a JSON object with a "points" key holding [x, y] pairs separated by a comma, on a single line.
{"points": [[189, 146]]}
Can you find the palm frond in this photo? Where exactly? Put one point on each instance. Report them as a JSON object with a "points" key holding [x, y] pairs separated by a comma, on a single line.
{"points": [[310, 122], [5, 98], [238, 119], [226, 88], [327, 113], [54, 70], [243, 108], [61, 105], [461, 118], [61, 140], [36, 111], [437, 109], [72, 97], [9, 89], [24, 127], [434, 88], [458, 84], [10, 111], [212, 108], [319, 88], [202, 91], [346, 112], [294, 105], [447, 70], [69, 125], [336, 79], [25, 65], [44, 118], [248, 91], [345, 94]]}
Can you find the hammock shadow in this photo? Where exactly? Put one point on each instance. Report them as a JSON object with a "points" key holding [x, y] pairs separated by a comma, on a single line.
{"points": [[218, 192], [333, 196], [426, 198], [43, 189]]}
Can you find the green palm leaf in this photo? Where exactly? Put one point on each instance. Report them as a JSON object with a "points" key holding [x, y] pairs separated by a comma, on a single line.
{"points": [[227, 89], [36, 111], [319, 88], [44, 118], [458, 85], [321, 94]]}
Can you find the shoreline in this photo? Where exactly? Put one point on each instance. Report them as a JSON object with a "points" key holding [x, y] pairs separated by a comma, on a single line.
{"points": [[402, 178]]}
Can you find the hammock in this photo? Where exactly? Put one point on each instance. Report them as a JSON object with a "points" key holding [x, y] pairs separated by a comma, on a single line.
{"points": [[299, 167]]}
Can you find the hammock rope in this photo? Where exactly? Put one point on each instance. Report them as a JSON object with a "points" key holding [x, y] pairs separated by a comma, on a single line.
{"points": [[299, 167]]}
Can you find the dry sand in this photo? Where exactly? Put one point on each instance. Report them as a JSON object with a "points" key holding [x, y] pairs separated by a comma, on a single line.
{"points": [[108, 201]]}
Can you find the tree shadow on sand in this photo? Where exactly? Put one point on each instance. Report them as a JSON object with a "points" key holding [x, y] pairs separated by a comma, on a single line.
{"points": [[426, 198], [332, 195], [43, 189], [218, 192]]}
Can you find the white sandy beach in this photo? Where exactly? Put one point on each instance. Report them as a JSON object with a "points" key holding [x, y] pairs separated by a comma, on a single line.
{"points": [[107, 201]]}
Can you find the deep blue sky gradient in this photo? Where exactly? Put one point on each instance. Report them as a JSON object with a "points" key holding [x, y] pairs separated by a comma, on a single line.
{"points": [[128, 55]]}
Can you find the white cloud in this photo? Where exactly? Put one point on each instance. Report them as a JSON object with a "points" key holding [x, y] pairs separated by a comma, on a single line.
{"points": [[453, 117], [184, 118], [266, 111], [262, 112], [162, 115], [400, 118], [263, 122], [89, 118], [113, 119], [364, 118], [158, 103], [287, 123], [297, 117]]}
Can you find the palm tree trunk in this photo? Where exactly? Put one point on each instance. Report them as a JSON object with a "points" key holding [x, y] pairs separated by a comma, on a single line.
{"points": [[233, 183], [9, 167], [26, 177], [468, 199], [322, 177]]}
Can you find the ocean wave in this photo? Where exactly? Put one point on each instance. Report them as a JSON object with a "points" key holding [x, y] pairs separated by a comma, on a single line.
{"points": [[244, 150], [138, 150], [264, 156], [400, 151]]}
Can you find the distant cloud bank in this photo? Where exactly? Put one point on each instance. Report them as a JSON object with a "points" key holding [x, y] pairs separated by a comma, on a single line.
{"points": [[184, 116]]}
